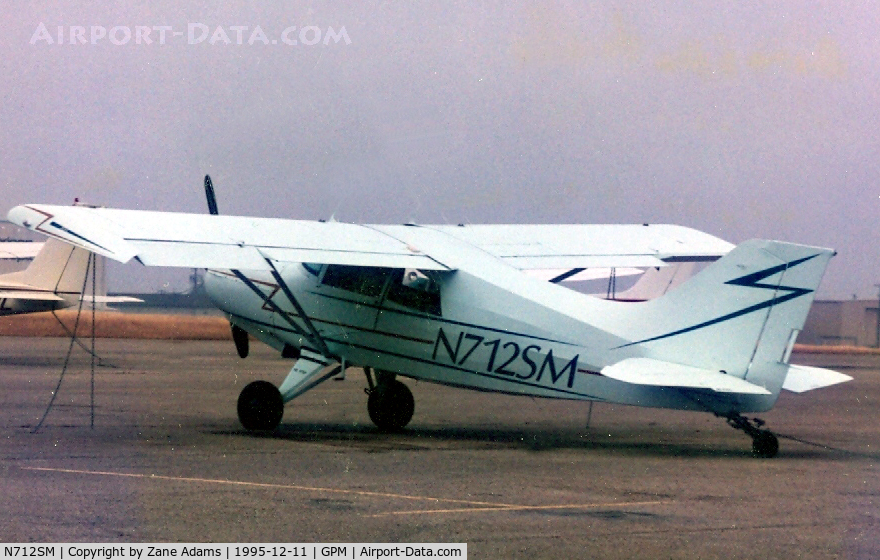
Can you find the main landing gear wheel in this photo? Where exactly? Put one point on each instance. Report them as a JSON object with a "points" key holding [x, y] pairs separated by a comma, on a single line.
{"points": [[391, 405], [260, 406]]}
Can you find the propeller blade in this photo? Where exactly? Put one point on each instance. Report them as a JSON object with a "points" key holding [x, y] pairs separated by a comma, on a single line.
{"points": [[209, 192]]}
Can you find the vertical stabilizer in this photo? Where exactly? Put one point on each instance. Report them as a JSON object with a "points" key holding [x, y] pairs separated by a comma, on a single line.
{"points": [[58, 267], [739, 316]]}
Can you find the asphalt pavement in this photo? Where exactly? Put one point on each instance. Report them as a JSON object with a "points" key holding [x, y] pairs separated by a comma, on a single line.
{"points": [[514, 477]]}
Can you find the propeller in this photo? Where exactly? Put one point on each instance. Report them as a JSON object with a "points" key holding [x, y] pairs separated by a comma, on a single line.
{"points": [[212, 200], [239, 335]]}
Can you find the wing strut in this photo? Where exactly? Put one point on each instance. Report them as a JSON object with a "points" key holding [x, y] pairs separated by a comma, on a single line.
{"points": [[315, 335], [315, 339]]}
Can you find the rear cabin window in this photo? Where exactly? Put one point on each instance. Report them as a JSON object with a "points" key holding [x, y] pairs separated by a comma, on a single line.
{"points": [[366, 280], [425, 299], [311, 268]]}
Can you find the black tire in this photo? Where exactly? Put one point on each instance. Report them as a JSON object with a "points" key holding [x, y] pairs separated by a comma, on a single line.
{"points": [[765, 445], [391, 406], [260, 406]]}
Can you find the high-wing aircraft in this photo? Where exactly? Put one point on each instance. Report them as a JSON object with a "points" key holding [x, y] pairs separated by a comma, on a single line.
{"points": [[451, 305], [55, 279]]}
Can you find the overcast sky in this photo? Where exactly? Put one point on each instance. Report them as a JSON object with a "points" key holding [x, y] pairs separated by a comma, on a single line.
{"points": [[742, 119]]}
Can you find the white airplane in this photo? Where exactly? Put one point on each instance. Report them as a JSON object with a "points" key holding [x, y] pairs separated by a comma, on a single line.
{"points": [[55, 279], [451, 305]]}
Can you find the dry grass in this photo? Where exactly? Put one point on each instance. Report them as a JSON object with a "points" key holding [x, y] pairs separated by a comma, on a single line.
{"points": [[190, 327], [118, 325]]}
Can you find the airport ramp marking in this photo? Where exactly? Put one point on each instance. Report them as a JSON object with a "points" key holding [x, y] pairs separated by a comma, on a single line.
{"points": [[388, 495], [477, 506], [519, 508]]}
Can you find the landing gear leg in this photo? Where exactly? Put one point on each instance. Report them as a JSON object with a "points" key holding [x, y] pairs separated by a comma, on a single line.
{"points": [[390, 402], [764, 442]]}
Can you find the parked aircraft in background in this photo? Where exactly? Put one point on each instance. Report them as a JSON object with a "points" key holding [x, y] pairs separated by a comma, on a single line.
{"points": [[19, 250], [451, 305], [55, 279]]}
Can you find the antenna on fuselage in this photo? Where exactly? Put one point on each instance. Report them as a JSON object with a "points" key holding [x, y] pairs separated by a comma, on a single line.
{"points": [[209, 193]]}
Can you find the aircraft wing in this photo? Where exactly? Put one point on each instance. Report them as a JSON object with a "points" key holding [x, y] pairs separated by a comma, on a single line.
{"points": [[211, 241], [581, 274], [591, 245], [208, 241], [658, 373], [19, 250]]}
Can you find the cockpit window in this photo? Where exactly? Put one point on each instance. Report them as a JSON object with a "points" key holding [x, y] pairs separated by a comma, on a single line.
{"points": [[312, 268], [366, 280], [415, 291]]}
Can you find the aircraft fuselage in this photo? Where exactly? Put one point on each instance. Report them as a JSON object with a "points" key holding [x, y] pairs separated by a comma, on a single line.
{"points": [[465, 333]]}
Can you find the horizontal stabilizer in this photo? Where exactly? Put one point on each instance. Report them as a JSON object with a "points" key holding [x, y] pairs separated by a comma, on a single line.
{"points": [[647, 371], [801, 379], [30, 295]]}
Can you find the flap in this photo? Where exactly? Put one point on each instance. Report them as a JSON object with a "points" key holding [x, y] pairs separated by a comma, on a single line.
{"points": [[647, 371], [806, 378]]}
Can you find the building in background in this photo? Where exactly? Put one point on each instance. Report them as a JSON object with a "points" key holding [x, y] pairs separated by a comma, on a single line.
{"points": [[851, 323]]}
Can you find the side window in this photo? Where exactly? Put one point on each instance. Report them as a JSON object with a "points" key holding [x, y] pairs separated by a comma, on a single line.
{"points": [[312, 268], [366, 280], [421, 295]]}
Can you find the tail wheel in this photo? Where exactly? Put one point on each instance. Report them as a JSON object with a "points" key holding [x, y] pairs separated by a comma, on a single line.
{"points": [[765, 444], [260, 406], [391, 405]]}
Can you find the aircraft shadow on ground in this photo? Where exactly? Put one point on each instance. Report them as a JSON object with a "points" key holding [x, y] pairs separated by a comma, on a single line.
{"points": [[31, 361], [369, 439]]}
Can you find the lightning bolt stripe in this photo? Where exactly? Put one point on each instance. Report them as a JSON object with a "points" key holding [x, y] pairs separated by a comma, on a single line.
{"points": [[75, 234], [752, 280]]}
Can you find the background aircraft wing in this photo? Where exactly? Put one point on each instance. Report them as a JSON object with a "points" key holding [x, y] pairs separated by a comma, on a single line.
{"points": [[211, 241], [31, 295], [19, 250]]}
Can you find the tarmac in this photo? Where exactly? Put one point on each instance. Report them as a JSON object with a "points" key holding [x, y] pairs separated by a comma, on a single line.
{"points": [[514, 477]]}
